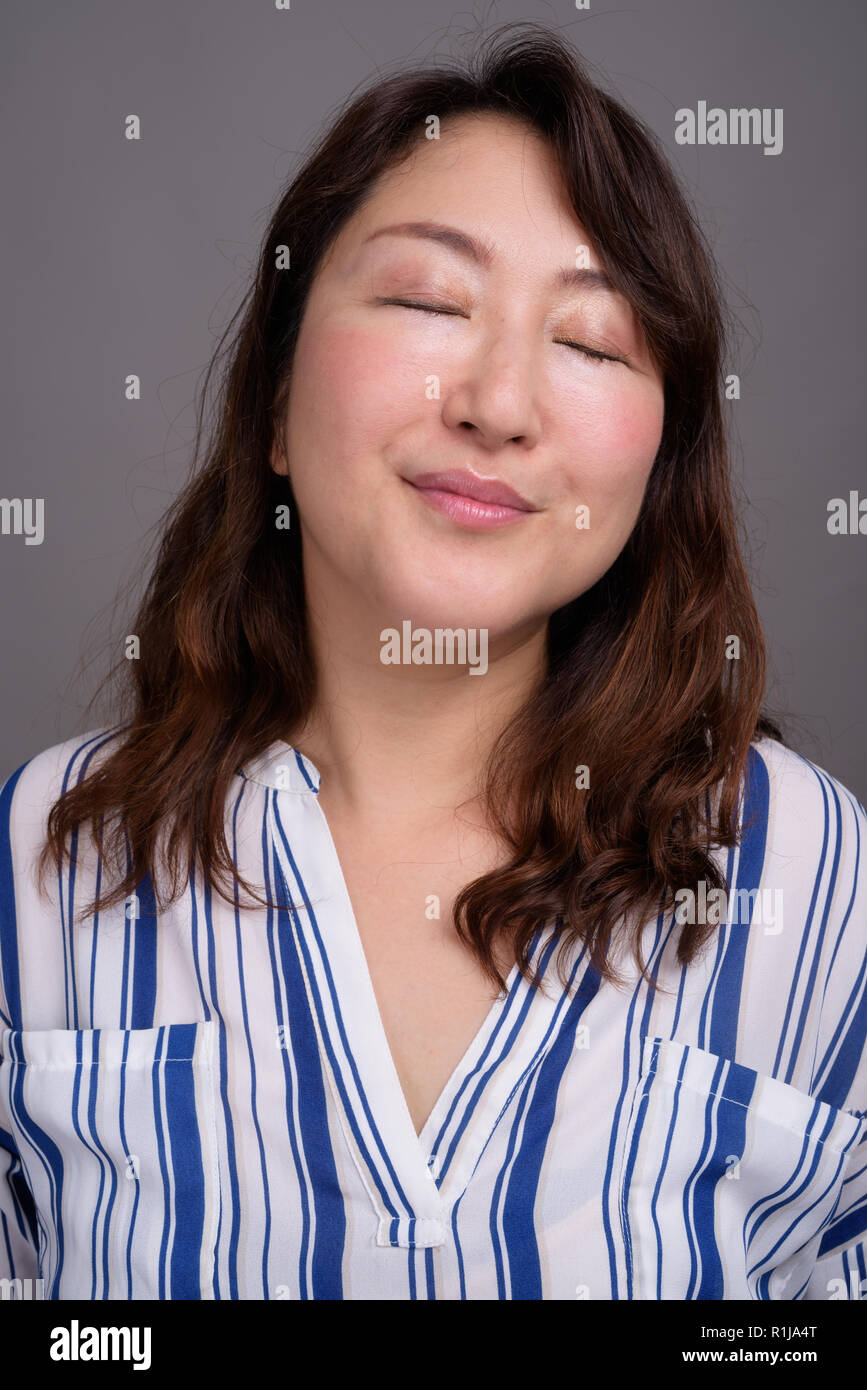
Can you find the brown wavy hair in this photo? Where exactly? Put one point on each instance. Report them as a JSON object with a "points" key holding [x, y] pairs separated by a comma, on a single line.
{"points": [[637, 685]]}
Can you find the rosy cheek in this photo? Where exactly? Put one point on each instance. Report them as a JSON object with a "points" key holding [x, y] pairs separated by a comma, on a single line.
{"points": [[338, 362], [352, 389], [639, 431], [621, 436]]}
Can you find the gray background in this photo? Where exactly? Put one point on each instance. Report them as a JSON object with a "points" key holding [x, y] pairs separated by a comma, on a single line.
{"points": [[125, 257]]}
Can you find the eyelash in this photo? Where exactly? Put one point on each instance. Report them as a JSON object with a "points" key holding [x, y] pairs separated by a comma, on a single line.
{"points": [[592, 354]]}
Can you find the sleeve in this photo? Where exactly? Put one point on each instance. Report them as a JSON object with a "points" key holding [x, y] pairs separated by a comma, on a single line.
{"points": [[19, 1242], [840, 1072]]}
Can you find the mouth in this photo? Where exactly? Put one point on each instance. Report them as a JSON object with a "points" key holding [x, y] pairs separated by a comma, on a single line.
{"points": [[480, 504]]}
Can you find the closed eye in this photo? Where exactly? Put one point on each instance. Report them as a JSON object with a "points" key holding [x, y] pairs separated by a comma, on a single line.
{"points": [[593, 354], [414, 304]]}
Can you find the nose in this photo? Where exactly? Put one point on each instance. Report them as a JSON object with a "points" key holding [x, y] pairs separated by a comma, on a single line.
{"points": [[494, 393]]}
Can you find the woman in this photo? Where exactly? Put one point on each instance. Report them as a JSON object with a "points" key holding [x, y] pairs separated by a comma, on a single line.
{"points": [[444, 918]]}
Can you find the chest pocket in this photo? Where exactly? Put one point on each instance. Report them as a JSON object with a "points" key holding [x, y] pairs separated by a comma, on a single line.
{"points": [[728, 1178], [116, 1130]]}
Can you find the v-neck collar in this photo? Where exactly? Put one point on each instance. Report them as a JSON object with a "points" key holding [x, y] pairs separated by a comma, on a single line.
{"points": [[413, 1180]]}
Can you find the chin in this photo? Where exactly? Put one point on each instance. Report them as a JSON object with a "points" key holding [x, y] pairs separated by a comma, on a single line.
{"points": [[433, 599]]}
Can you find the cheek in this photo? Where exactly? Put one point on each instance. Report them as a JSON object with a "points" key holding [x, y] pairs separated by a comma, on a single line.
{"points": [[618, 433], [348, 384], [338, 404], [330, 388], [351, 391]]}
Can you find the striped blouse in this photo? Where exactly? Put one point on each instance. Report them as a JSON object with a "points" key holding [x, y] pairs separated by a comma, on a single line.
{"points": [[205, 1106]]}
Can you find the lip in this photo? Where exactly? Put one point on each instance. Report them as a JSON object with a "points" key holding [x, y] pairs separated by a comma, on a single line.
{"points": [[465, 484], [478, 503]]}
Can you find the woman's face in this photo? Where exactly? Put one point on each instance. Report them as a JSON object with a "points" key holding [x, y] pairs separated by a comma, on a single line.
{"points": [[383, 396]]}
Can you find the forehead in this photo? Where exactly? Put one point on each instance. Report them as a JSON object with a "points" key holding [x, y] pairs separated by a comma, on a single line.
{"points": [[494, 169], [475, 136]]}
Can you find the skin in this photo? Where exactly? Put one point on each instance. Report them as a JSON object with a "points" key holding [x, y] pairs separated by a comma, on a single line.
{"points": [[401, 747]]}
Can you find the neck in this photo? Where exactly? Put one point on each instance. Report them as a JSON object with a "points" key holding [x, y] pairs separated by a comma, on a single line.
{"points": [[409, 740]]}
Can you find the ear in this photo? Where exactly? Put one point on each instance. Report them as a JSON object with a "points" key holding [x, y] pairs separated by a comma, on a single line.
{"points": [[278, 458]]}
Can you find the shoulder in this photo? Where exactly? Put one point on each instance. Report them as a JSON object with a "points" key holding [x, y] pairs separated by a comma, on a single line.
{"points": [[813, 955], [805, 833], [28, 793], [804, 810], [35, 911]]}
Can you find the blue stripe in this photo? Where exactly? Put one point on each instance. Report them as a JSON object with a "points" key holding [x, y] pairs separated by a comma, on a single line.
{"points": [[727, 994], [93, 745], [330, 1233], [144, 969], [105, 1166], [519, 1226], [790, 1004], [8, 915], [156, 1071], [263, 1165], [131, 1175], [731, 1117], [612, 1246], [188, 1174], [840, 1077], [232, 1160], [806, 1003]]}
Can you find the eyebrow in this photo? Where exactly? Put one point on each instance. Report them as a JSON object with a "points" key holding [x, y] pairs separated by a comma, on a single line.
{"points": [[482, 253]]}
